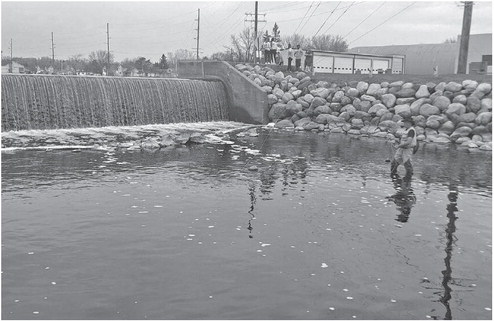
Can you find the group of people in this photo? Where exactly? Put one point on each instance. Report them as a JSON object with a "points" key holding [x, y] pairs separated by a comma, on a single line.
{"points": [[272, 49]]}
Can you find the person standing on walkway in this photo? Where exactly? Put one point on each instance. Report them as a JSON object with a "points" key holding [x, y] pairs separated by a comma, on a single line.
{"points": [[404, 150], [299, 53], [267, 50], [272, 53], [290, 57], [308, 61]]}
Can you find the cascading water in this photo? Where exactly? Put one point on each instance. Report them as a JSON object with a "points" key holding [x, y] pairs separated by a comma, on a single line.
{"points": [[52, 102]]}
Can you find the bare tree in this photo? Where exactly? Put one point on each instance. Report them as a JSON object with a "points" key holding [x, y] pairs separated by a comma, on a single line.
{"points": [[180, 54], [243, 44], [98, 59], [328, 42], [294, 40]]}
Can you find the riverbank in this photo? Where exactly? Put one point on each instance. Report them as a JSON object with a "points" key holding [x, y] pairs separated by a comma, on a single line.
{"points": [[443, 113]]}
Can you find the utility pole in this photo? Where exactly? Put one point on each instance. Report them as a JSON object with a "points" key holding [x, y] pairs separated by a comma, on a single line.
{"points": [[11, 58], [197, 38], [256, 21], [465, 37], [255, 34], [52, 51], [108, 48]]}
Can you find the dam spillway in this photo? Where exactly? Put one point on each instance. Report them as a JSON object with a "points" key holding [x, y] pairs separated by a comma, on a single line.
{"points": [[53, 102]]}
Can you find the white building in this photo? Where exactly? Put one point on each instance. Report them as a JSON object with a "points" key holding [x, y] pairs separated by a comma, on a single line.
{"points": [[17, 68]]}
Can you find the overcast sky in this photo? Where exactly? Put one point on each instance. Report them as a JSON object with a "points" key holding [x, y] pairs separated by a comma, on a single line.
{"points": [[149, 29]]}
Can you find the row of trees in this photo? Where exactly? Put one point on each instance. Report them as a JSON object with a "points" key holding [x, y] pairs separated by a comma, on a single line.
{"points": [[97, 62], [243, 46]]}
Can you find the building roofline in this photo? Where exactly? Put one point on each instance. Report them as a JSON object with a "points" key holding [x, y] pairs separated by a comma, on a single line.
{"points": [[358, 54]]}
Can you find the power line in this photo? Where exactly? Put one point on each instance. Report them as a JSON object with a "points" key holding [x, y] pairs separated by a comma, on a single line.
{"points": [[304, 17], [327, 19], [340, 17], [315, 9], [383, 22], [375, 10]]}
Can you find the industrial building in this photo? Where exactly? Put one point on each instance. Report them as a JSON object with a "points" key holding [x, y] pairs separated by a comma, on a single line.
{"points": [[421, 59]]}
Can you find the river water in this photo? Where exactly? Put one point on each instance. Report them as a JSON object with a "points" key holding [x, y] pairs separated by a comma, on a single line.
{"points": [[279, 226]]}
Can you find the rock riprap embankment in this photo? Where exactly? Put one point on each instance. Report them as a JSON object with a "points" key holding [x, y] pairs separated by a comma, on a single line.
{"points": [[450, 112]]}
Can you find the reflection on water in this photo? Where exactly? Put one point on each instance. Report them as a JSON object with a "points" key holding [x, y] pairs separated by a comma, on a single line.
{"points": [[145, 235], [404, 198]]}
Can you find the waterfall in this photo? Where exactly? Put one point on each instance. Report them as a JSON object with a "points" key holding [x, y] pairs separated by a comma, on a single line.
{"points": [[52, 102]]}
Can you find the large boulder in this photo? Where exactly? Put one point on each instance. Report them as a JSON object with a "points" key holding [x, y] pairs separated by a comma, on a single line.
{"points": [[405, 101], [468, 117], [327, 119], [433, 122], [453, 87], [308, 98], [374, 109], [398, 83], [301, 75], [388, 125], [335, 106], [362, 87], [279, 76], [368, 98], [352, 92], [277, 111], [278, 92], [462, 99], [302, 122], [303, 103], [362, 115], [338, 96], [304, 83], [463, 131], [272, 99], [285, 123], [321, 92], [317, 101], [440, 87], [447, 127], [388, 100], [427, 110], [324, 109], [473, 104], [296, 93], [484, 88], [286, 97], [405, 93], [364, 105], [486, 104], [357, 123], [292, 107], [470, 84], [415, 106], [455, 108], [484, 118], [442, 102], [349, 109], [345, 100], [373, 89], [423, 92], [403, 111]]}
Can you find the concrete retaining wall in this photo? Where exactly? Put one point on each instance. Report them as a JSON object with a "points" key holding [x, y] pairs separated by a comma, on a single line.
{"points": [[248, 102]]}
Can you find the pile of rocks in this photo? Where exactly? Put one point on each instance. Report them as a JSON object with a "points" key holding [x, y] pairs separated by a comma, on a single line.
{"points": [[442, 113]]}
